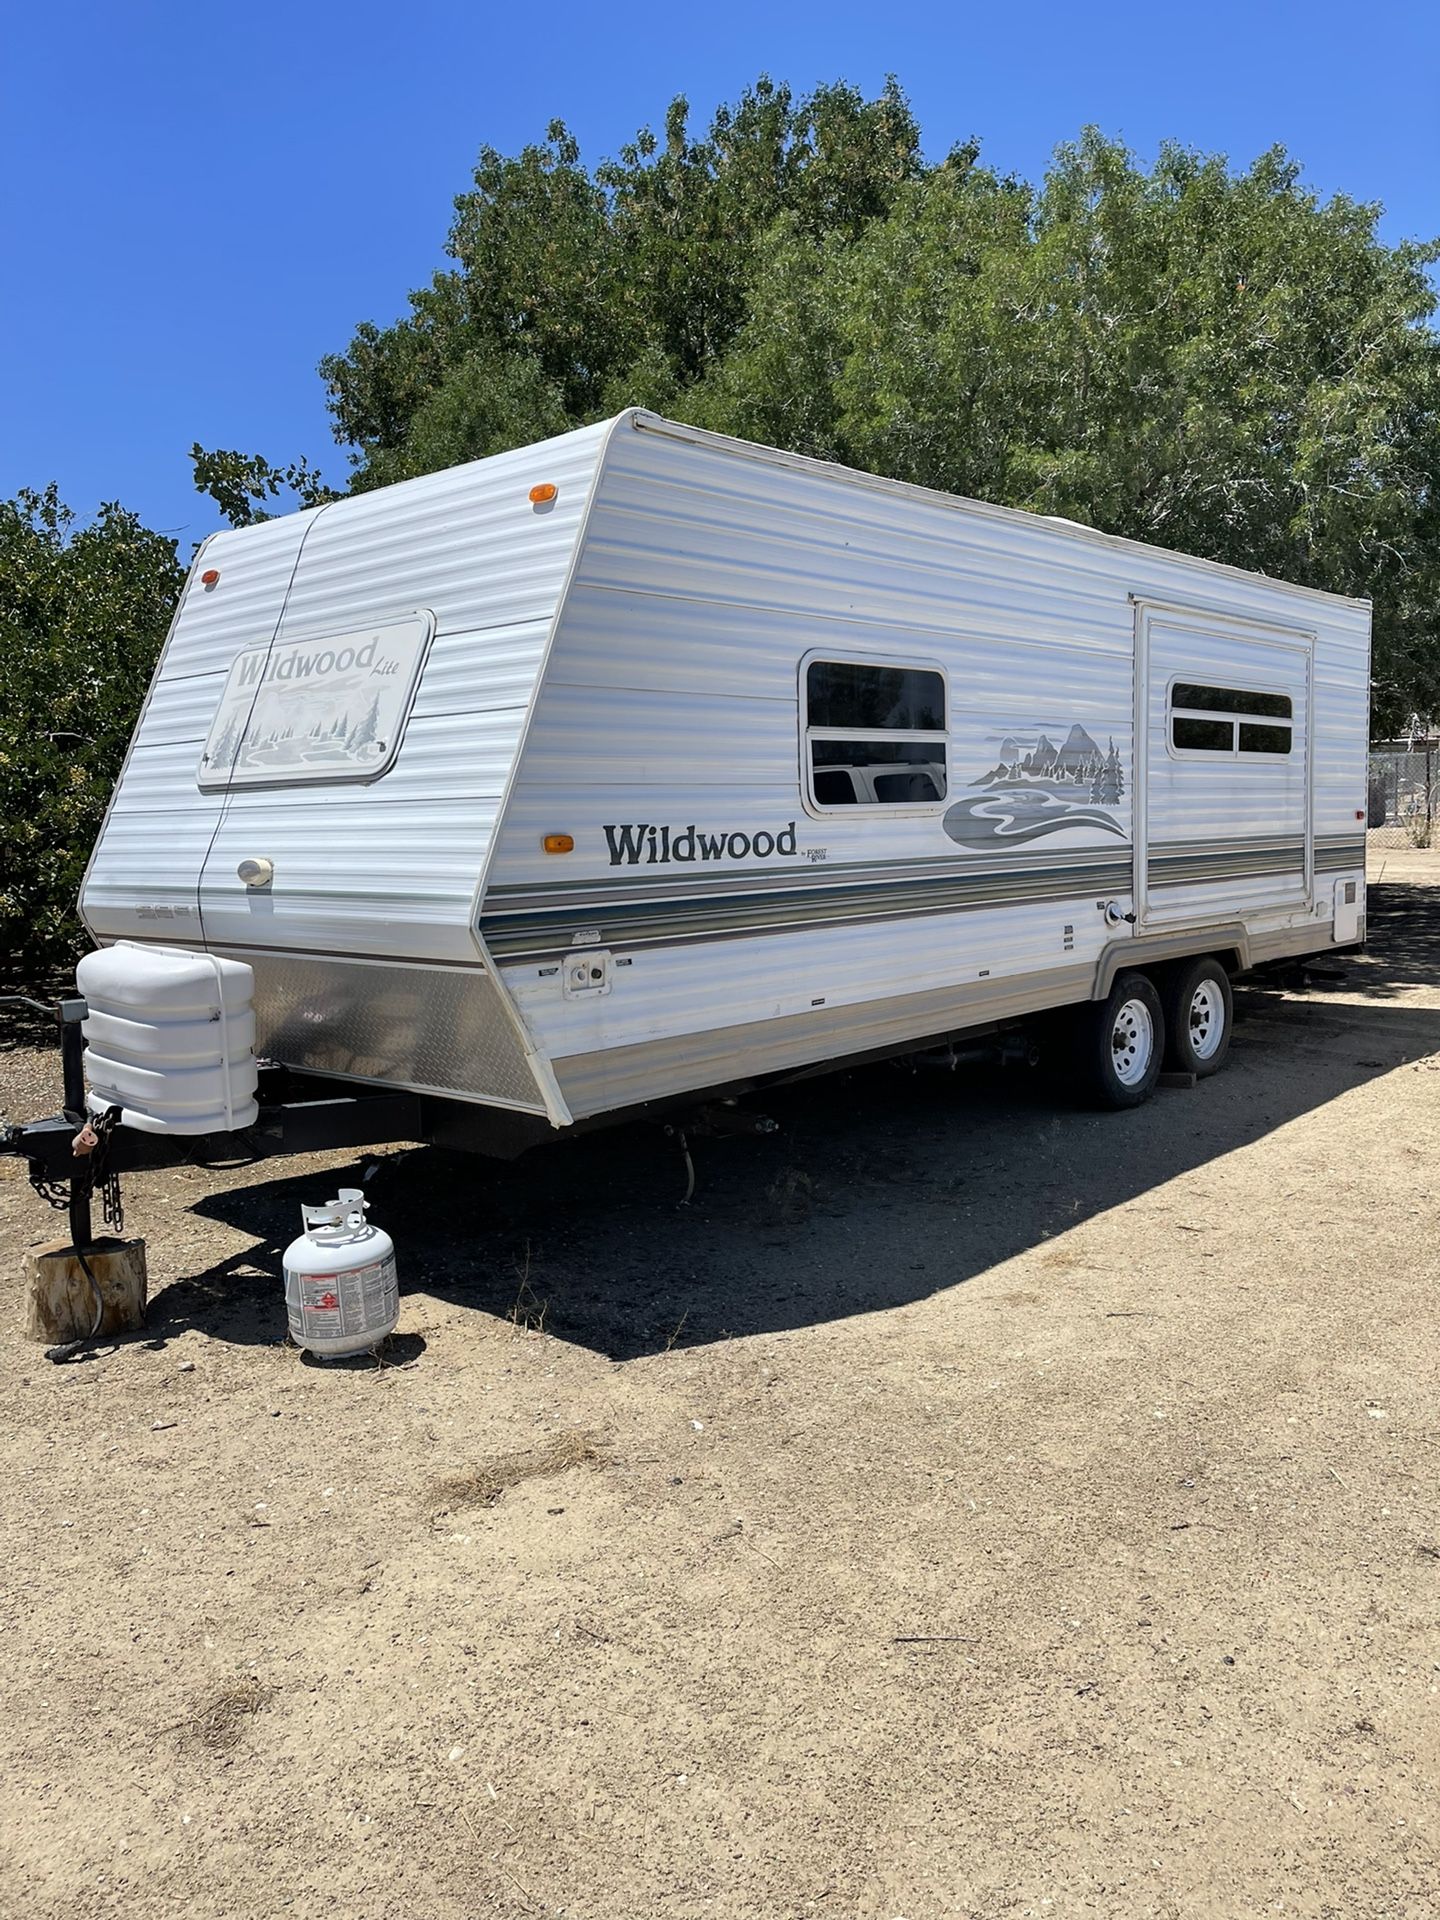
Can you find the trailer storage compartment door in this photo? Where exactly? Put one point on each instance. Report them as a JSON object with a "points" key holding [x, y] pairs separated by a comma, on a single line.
{"points": [[1224, 818]]}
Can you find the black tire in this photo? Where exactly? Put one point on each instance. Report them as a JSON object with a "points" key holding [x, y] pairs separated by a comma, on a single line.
{"points": [[1199, 1013], [1110, 1072]]}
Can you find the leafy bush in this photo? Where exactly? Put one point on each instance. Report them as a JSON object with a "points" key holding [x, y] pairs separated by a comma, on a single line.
{"points": [[83, 612]]}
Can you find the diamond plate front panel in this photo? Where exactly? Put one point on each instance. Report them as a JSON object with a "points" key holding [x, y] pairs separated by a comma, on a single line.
{"points": [[429, 1029]]}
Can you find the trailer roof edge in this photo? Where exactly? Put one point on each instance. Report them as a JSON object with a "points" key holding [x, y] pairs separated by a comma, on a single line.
{"points": [[644, 421]]}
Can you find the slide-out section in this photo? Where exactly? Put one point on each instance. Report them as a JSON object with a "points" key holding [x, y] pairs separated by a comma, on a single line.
{"points": [[1226, 791]]}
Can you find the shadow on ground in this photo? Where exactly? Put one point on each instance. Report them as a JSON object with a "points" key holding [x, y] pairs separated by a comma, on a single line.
{"points": [[1403, 927], [881, 1186]]}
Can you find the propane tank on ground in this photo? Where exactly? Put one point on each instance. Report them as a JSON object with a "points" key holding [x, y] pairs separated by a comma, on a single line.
{"points": [[340, 1289]]}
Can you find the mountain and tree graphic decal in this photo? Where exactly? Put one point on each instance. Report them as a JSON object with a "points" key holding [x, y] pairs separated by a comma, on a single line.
{"points": [[1037, 788], [345, 737]]}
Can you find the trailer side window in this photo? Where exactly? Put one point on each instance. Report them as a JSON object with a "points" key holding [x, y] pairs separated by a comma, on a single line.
{"points": [[1230, 720], [874, 734]]}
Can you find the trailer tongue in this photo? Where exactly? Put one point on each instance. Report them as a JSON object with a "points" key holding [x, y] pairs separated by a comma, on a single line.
{"points": [[81, 1151], [210, 1101]]}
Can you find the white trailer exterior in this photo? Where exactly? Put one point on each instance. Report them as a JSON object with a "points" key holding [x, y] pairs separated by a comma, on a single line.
{"points": [[845, 766]]}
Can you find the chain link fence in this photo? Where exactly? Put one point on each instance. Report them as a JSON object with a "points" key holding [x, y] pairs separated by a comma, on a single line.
{"points": [[1402, 800]]}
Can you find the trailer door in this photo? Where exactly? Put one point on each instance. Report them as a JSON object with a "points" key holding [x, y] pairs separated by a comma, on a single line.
{"points": [[1223, 815]]}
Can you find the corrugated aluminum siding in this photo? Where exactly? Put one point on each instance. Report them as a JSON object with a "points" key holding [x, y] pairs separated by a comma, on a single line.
{"points": [[388, 869], [708, 572]]}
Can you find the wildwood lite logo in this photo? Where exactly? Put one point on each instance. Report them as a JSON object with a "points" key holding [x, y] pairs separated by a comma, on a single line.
{"points": [[332, 708], [291, 664], [630, 846]]}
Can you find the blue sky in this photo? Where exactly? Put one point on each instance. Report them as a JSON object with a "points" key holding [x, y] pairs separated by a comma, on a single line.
{"points": [[199, 202]]}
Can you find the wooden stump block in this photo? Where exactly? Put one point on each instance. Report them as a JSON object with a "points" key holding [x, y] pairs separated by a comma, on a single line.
{"points": [[61, 1302]]}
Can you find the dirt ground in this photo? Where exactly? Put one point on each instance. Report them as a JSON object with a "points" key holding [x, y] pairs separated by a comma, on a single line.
{"points": [[966, 1507]]}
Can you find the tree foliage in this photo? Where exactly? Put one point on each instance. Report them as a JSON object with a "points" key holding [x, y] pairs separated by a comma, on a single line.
{"points": [[82, 614], [1211, 359], [242, 485]]}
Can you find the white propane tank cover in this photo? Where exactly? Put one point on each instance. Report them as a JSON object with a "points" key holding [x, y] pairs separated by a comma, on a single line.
{"points": [[341, 1291], [169, 1038]]}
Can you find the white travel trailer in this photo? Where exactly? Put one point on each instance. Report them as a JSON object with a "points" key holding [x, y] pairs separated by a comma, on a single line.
{"points": [[645, 763]]}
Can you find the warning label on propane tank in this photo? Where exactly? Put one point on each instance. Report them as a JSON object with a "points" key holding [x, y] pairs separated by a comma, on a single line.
{"points": [[332, 1305]]}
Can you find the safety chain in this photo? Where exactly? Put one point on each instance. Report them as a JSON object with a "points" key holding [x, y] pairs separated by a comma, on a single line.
{"points": [[102, 1179], [112, 1205], [92, 1143], [55, 1193]]}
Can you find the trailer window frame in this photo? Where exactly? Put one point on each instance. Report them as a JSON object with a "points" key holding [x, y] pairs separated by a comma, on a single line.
{"points": [[809, 736], [1235, 717]]}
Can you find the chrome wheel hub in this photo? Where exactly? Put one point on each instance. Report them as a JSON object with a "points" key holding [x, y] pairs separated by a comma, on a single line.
{"points": [[1132, 1042], [1207, 1020]]}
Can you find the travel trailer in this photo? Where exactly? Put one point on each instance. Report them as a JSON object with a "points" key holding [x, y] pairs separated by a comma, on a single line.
{"points": [[645, 765]]}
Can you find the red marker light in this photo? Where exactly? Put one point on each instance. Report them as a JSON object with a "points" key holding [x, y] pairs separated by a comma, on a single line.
{"points": [[210, 576]]}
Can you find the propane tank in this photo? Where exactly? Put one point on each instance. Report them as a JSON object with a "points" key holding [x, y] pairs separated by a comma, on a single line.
{"points": [[340, 1288]]}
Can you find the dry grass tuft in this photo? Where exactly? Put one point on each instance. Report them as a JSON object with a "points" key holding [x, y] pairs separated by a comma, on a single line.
{"points": [[528, 1314], [216, 1720], [482, 1486]]}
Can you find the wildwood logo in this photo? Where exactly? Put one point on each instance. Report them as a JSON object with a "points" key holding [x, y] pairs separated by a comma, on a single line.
{"points": [[332, 708], [632, 845], [259, 666]]}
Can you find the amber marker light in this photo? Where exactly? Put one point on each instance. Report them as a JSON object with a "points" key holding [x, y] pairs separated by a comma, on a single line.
{"points": [[559, 843], [210, 576], [542, 495]]}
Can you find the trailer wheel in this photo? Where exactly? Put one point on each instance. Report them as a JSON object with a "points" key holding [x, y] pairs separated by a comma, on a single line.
{"points": [[1120, 1042], [1198, 1016]]}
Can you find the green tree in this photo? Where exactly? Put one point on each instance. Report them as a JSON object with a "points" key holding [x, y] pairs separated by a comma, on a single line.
{"points": [[1208, 358], [242, 484], [574, 292], [1212, 361], [83, 611]]}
